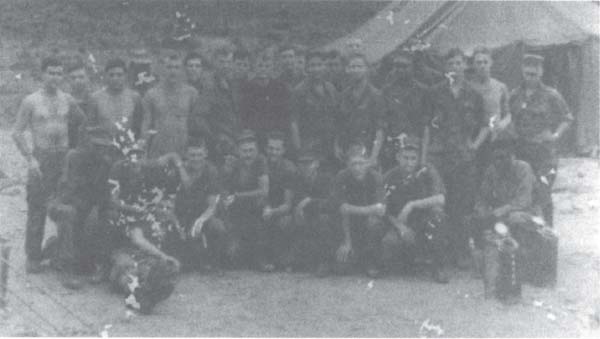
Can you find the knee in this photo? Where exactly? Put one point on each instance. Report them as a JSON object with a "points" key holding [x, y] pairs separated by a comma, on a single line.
{"points": [[518, 218]]}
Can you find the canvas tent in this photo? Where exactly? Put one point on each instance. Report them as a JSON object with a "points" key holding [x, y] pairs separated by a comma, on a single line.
{"points": [[566, 33]]}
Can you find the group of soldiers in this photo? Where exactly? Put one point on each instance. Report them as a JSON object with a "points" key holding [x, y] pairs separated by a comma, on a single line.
{"points": [[279, 161]]}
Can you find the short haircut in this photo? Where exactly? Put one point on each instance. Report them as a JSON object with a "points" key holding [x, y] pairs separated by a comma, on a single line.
{"points": [[354, 56], [247, 136], [196, 142], [276, 135], [241, 54], [316, 54], [50, 62], [191, 56], [75, 66], [453, 52], [115, 63], [482, 50]]}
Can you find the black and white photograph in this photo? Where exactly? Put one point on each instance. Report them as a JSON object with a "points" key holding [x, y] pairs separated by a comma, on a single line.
{"points": [[299, 168]]}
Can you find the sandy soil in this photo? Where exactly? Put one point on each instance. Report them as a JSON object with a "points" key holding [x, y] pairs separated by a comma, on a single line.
{"points": [[244, 303]]}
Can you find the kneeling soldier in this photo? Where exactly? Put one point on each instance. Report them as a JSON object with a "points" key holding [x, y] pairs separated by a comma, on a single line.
{"points": [[247, 186], [358, 193], [313, 216], [195, 207], [506, 194], [415, 206]]}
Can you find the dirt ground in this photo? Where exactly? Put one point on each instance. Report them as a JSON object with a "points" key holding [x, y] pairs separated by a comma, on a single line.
{"points": [[244, 303]]}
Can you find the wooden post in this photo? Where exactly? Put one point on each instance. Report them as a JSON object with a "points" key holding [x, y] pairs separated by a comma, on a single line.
{"points": [[5, 255]]}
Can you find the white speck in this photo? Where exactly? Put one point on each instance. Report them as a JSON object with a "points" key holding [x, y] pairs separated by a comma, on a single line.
{"points": [[19, 76], [551, 316], [370, 285], [538, 303], [407, 21], [390, 18]]}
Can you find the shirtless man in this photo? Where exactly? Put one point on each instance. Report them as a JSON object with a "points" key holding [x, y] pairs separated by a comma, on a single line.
{"points": [[47, 113]]}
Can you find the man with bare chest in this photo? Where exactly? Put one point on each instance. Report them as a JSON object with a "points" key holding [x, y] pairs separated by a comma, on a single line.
{"points": [[47, 114]]}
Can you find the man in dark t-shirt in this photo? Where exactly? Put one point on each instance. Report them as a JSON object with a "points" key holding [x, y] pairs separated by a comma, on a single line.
{"points": [[196, 206], [282, 187], [246, 186], [415, 210], [358, 196]]}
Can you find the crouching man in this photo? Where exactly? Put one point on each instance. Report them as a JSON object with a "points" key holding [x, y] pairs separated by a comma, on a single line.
{"points": [[313, 216], [247, 187], [142, 191], [506, 194], [196, 206], [277, 214], [83, 187], [358, 193], [415, 209]]}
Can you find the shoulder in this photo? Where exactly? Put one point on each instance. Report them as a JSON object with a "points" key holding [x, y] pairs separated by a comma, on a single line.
{"points": [[551, 92], [33, 98], [499, 84], [132, 94]]}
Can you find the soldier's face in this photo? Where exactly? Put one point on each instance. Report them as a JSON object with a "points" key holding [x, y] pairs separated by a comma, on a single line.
{"points": [[532, 75], [223, 64], [53, 76], [196, 156], [408, 160], [335, 66], [358, 166], [248, 151], [456, 65], [316, 68], [483, 64], [193, 69], [173, 70], [288, 59], [275, 149], [354, 46], [115, 78], [357, 69], [78, 79], [264, 68]]}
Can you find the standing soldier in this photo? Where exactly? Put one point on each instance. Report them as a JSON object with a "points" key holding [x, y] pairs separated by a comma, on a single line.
{"points": [[265, 102], [314, 110], [362, 111], [194, 71], [79, 83], [359, 197], [495, 97], [47, 113], [173, 110], [335, 70], [405, 99], [540, 116], [223, 114], [290, 74], [116, 104], [456, 130], [415, 207]]}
